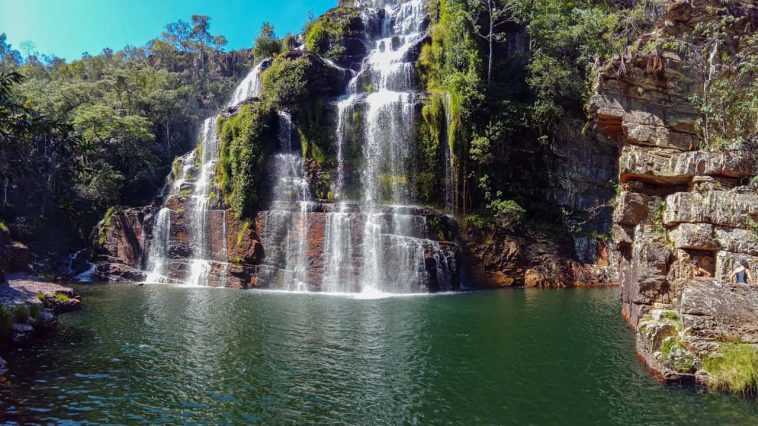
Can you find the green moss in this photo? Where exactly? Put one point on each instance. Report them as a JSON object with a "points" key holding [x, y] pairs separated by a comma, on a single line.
{"points": [[40, 295], [734, 368], [176, 167], [324, 34], [671, 315], [243, 229], [35, 310], [102, 236], [185, 192], [246, 139], [3, 227]]}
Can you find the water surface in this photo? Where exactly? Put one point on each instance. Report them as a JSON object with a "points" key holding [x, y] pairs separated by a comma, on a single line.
{"points": [[169, 354]]}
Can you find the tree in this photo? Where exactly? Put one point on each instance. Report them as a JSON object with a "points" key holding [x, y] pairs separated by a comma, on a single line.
{"points": [[497, 13], [267, 44]]}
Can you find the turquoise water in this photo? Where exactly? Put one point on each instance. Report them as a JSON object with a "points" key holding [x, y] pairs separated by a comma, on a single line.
{"points": [[186, 355]]}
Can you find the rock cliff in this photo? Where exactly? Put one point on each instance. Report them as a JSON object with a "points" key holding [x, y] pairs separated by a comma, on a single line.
{"points": [[681, 201]]}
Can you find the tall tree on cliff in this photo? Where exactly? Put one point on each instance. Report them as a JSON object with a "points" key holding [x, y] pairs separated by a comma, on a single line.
{"points": [[494, 14]]}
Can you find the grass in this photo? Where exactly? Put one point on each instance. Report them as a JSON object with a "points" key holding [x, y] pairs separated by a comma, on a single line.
{"points": [[62, 298], [734, 368]]}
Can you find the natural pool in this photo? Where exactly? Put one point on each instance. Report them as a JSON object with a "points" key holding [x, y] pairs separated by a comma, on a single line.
{"points": [[185, 355]]}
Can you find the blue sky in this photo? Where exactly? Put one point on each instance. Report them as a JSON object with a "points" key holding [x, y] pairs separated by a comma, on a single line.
{"points": [[67, 28]]}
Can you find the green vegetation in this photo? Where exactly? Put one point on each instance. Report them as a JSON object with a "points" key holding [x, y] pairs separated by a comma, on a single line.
{"points": [[491, 96], [246, 225], [726, 50], [323, 35], [734, 368], [62, 298], [103, 130], [267, 44], [35, 310], [102, 235], [246, 140], [6, 322], [3, 227]]}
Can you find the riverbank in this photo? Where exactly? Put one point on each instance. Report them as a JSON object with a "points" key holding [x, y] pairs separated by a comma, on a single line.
{"points": [[28, 309]]}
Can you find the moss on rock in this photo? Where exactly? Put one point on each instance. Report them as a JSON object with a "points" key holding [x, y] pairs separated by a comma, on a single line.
{"points": [[247, 138]]}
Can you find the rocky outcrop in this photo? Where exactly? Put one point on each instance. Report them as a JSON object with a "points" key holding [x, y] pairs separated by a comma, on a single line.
{"points": [[31, 305], [122, 243], [14, 256], [532, 259], [678, 205], [253, 254]]}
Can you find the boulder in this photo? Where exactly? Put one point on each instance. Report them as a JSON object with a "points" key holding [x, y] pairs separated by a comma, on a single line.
{"points": [[720, 311]]}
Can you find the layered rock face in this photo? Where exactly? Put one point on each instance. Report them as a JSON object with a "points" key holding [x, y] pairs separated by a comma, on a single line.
{"points": [[678, 204]]}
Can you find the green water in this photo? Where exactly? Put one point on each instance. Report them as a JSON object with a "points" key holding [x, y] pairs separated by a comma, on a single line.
{"points": [[178, 355]]}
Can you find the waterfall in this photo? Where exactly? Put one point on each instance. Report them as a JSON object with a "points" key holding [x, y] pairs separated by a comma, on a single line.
{"points": [[200, 265], [196, 179], [372, 238], [158, 256], [250, 86], [289, 215], [393, 255]]}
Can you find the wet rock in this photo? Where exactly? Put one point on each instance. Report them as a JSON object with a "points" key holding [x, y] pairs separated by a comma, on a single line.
{"points": [[22, 333], [3, 366]]}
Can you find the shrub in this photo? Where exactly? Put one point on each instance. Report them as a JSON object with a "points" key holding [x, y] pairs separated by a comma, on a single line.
{"points": [[734, 368], [21, 313], [508, 214]]}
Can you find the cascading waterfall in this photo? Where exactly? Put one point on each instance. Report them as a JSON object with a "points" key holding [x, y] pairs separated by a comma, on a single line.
{"points": [[197, 176], [393, 258], [200, 265], [158, 255], [291, 203], [374, 239]]}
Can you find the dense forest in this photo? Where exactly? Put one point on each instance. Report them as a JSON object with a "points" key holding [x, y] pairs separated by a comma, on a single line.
{"points": [[501, 76]]}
